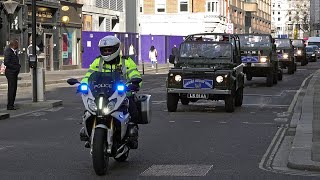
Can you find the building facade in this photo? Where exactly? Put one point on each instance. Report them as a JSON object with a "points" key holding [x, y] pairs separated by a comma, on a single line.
{"points": [[103, 15], [182, 17], [280, 18], [315, 17], [57, 37]]}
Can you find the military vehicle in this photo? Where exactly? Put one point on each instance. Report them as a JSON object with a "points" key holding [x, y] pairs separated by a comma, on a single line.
{"points": [[207, 67], [285, 55], [258, 53], [300, 54]]}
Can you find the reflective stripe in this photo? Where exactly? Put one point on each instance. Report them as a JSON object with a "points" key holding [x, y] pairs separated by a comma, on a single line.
{"points": [[135, 76], [100, 65]]}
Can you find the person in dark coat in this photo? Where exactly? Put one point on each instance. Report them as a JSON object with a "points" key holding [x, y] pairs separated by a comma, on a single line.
{"points": [[11, 61], [174, 50]]}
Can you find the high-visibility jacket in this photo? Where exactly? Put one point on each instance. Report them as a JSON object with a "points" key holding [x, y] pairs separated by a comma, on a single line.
{"points": [[98, 65]]}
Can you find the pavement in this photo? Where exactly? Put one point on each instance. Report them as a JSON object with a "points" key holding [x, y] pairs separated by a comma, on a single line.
{"points": [[51, 77], [305, 150]]}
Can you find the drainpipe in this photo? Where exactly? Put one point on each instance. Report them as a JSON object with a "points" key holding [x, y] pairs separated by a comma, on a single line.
{"points": [[192, 6]]}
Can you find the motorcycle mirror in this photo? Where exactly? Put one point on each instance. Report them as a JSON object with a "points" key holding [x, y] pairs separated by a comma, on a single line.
{"points": [[72, 81]]}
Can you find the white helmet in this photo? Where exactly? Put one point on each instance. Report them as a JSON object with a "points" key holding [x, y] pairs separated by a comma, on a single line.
{"points": [[109, 48]]}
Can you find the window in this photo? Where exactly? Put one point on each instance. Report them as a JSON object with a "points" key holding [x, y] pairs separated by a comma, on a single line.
{"points": [[279, 12], [141, 6], [289, 18], [279, 19], [160, 6], [183, 6], [278, 5], [212, 6]]}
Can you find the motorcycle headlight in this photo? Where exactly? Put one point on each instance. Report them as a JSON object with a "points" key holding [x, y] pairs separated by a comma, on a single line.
{"points": [[109, 108], [92, 105], [299, 52], [285, 56], [178, 78], [263, 59], [219, 79]]}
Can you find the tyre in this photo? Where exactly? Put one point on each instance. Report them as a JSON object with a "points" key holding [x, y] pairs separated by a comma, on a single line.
{"points": [[304, 62], [249, 77], [269, 79], [295, 66], [184, 101], [172, 102], [291, 68], [123, 157], [239, 97], [275, 78], [229, 103], [100, 157]]}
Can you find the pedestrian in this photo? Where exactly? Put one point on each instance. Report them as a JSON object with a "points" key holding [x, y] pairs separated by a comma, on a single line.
{"points": [[153, 54], [11, 61], [174, 50]]}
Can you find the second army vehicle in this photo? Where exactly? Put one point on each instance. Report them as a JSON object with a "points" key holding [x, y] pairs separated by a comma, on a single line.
{"points": [[258, 53], [285, 55], [208, 67], [299, 48]]}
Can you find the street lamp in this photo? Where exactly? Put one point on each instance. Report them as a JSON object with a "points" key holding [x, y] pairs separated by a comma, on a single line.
{"points": [[10, 6]]}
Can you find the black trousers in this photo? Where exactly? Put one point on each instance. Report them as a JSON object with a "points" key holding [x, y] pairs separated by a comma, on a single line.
{"points": [[12, 87], [133, 109]]}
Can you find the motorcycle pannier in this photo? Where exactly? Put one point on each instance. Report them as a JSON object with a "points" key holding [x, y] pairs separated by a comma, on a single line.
{"points": [[144, 107]]}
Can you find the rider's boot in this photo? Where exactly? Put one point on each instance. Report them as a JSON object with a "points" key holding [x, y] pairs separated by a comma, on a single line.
{"points": [[133, 135], [84, 137]]}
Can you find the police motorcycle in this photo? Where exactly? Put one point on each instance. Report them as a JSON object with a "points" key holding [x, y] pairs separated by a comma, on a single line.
{"points": [[107, 120]]}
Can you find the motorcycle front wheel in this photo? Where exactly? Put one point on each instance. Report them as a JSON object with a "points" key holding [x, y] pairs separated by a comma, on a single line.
{"points": [[100, 157]]}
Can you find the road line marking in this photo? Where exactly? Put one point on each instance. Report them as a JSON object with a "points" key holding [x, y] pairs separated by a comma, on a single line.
{"points": [[196, 121], [171, 121], [5, 147], [250, 123], [294, 101]]}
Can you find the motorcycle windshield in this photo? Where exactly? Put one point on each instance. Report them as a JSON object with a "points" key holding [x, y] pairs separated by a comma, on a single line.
{"points": [[104, 83]]}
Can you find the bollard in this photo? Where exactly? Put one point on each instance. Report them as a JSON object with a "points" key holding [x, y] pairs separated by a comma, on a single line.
{"points": [[40, 84], [156, 67], [143, 67]]}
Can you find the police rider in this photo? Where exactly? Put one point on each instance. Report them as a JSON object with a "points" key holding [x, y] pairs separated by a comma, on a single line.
{"points": [[108, 59]]}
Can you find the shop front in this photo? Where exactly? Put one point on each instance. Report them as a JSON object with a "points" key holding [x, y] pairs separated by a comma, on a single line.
{"points": [[70, 33]]}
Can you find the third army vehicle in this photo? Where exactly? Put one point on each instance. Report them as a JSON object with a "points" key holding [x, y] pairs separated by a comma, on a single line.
{"points": [[208, 67], [258, 53], [285, 54], [299, 48]]}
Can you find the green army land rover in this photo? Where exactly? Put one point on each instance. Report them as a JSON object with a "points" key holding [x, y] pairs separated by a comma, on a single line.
{"points": [[208, 66], [258, 53]]}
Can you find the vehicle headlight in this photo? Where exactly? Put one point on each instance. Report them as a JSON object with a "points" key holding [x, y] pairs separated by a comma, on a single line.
{"points": [[299, 52], [110, 106], [285, 56], [178, 78], [92, 105], [263, 59], [219, 79], [313, 55]]}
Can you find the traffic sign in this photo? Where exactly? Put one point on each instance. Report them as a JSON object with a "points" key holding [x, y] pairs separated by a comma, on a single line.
{"points": [[229, 28]]}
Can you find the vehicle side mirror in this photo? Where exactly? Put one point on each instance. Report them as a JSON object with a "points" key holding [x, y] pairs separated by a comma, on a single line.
{"points": [[171, 59], [73, 81]]}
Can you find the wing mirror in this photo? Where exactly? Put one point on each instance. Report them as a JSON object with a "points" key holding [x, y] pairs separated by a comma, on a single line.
{"points": [[72, 81], [171, 59]]}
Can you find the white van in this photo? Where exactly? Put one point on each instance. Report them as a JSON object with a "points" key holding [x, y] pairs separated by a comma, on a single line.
{"points": [[314, 41]]}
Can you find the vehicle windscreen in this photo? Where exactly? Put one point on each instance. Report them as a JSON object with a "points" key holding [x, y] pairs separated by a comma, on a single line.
{"points": [[105, 83], [255, 41], [282, 43], [309, 49], [314, 43], [206, 49], [298, 43]]}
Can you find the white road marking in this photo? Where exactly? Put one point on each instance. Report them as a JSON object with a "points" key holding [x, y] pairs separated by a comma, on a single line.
{"points": [[223, 122], [293, 103], [250, 123], [171, 121], [5, 147], [196, 121]]}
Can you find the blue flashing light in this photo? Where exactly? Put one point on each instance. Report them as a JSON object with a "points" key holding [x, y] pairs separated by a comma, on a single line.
{"points": [[84, 88], [120, 87]]}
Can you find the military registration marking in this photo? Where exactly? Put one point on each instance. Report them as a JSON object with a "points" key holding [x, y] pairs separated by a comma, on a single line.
{"points": [[198, 96]]}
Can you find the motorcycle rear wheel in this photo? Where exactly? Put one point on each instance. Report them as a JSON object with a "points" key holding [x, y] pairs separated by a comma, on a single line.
{"points": [[100, 157]]}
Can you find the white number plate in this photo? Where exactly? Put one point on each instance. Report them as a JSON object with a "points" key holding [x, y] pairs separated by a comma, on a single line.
{"points": [[198, 96]]}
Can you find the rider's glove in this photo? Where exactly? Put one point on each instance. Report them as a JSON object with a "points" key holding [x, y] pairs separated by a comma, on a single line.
{"points": [[133, 87]]}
